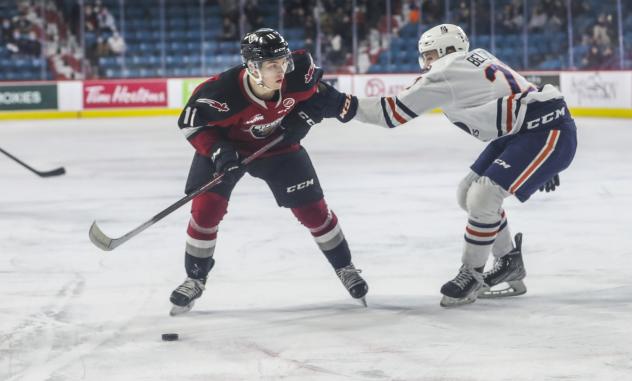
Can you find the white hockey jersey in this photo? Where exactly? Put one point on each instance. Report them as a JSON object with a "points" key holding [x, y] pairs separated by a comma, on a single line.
{"points": [[475, 90]]}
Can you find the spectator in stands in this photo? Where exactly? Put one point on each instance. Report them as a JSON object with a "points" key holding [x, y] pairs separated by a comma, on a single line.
{"points": [[116, 44], [510, 18], [431, 12], [538, 21], [593, 59], [105, 20], [7, 30], [602, 30], [335, 53], [414, 13], [253, 14], [229, 30], [461, 15]]}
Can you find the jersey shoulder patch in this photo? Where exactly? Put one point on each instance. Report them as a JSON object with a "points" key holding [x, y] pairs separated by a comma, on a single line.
{"points": [[218, 98], [305, 74]]}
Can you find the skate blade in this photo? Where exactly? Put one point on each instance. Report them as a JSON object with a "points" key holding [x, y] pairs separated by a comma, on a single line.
{"points": [[362, 301], [513, 288], [449, 302], [179, 310]]}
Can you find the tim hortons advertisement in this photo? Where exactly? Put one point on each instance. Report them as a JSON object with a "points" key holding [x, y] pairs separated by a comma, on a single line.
{"points": [[122, 93]]}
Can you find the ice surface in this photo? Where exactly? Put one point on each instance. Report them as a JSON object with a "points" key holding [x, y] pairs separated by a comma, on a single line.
{"points": [[273, 308]]}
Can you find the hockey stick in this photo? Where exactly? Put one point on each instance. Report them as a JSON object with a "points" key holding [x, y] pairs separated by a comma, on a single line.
{"points": [[53, 172], [103, 242]]}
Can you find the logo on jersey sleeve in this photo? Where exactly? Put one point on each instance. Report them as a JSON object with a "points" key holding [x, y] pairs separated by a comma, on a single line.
{"points": [[310, 70], [222, 107]]}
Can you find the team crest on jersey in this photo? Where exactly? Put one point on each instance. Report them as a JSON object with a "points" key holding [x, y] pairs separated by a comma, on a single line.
{"points": [[262, 131], [223, 107], [254, 119]]}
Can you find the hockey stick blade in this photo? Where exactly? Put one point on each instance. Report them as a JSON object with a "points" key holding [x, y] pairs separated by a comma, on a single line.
{"points": [[55, 172], [99, 239]]}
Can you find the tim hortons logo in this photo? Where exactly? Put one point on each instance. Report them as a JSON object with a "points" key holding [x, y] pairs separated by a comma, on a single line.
{"points": [[375, 88], [122, 94], [222, 107]]}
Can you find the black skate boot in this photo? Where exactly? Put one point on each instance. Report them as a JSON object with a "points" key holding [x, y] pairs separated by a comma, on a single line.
{"points": [[463, 289], [353, 282], [183, 297], [510, 269]]}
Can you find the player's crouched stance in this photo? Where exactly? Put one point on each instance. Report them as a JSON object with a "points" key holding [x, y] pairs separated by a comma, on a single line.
{"points": [[532, 134], [230, 116]]}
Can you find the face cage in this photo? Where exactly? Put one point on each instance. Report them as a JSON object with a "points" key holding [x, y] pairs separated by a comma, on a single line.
{"points": [[257, 75]]}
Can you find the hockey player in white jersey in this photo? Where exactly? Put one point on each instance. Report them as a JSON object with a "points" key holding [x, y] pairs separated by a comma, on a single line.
{"points": [[532, 134]]}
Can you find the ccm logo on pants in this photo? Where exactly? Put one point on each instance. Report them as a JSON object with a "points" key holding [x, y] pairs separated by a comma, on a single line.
{"points": [[300, 186]]}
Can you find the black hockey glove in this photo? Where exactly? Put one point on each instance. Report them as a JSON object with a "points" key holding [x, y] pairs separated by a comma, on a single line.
{"points": [[550, 185], [226, 160], [336, 104], [297, 123]]}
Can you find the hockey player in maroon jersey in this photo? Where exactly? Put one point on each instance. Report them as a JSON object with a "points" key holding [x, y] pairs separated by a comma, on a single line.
{"points": [[229, 117]]}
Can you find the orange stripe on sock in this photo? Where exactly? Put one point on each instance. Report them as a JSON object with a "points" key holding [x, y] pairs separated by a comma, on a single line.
{"points": [[479, 234]]}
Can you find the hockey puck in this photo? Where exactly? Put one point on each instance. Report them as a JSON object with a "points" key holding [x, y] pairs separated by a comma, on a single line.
{"points": [[169, 337]]}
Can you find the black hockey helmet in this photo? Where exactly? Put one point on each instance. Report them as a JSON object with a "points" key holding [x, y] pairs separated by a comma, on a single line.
{"points": [[263, 44]]}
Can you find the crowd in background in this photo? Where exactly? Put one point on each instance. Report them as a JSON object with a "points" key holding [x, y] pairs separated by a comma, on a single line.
{"points": [[21, 34], [326, 21]]}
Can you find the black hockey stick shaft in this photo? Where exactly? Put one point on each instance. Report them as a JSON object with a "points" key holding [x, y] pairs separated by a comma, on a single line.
{"points": [[53, 172], [103, 242]]}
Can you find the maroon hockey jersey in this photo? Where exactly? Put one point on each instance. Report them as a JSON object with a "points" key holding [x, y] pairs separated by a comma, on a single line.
{"points": [[225, 108]]}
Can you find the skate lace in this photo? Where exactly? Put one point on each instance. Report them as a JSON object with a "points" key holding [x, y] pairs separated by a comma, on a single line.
{"points": [[499, 263], [189, 287], [463, 278], [349, 276]]}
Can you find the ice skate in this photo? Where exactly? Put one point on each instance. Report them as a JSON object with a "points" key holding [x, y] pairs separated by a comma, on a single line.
{"points": [[463, 289], [183, 297], [353, 282], [508, 269]]}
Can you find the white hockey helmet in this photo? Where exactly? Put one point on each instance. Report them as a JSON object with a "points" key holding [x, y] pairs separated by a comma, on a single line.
{"points": [[440, 38]]}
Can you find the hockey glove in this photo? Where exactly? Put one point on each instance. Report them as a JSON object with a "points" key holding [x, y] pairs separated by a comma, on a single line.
{"points": [[226, 161], [297, 123], [336, 104], [550, 185]]}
